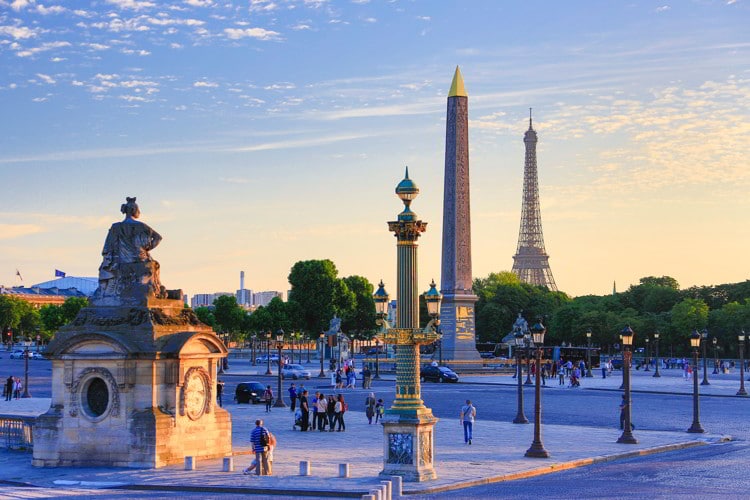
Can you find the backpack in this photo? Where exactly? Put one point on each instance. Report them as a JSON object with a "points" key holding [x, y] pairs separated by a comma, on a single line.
{"points": [[264, 437]]}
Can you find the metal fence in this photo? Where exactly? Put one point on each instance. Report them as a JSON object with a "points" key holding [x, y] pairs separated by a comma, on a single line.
{"points": [[15, 432]]}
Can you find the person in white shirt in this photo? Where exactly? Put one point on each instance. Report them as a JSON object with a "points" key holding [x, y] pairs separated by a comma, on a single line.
{"points": [[468, 413]]}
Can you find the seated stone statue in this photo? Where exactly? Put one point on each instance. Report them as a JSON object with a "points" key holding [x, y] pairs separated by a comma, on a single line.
{"points": [[128, 274]]}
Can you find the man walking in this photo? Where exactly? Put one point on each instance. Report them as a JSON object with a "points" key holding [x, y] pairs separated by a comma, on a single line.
{"points": [[303, 405], [293, 396], [9, 388], [468, 413], [260, 440]]}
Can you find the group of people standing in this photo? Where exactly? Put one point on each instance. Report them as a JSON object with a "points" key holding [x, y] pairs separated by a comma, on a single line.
{"points": [[12, 388], [318, 412]]}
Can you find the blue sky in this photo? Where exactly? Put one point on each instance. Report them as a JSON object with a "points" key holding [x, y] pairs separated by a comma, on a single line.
{"points": [[256, 134]]}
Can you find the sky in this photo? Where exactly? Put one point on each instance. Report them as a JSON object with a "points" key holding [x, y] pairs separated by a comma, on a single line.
{"points": [[260, 133]]}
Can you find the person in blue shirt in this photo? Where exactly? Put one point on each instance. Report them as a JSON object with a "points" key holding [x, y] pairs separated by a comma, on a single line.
{"points": [[293, 396], [260, 439]]}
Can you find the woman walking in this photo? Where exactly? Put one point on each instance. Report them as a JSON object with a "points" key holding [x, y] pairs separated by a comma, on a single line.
{"points": [[340, 409], [268, 398], [370, 407]]}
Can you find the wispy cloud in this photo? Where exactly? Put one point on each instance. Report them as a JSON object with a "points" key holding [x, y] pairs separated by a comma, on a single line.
{"points": [[257, 33]]}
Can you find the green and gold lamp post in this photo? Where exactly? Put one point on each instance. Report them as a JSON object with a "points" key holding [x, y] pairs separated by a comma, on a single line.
{"points": [[695, 343], [408, 425], [627, 335], [537, 448]]}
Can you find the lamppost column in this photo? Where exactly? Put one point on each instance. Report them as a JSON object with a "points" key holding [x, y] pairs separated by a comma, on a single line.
{"points": [[26, 374], [537, 448], [268, 354], [696, 426], [716, 356], [742, 391], [520, 417], [627, 428], [280, 345], [588, 355], [648, 356], [377, 359], [704, 341], [321, 341], [656, 347], [528, 362]]}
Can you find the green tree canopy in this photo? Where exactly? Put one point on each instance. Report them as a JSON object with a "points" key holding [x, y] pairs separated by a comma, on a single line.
{"points": [[229, 315], [318, 294], [360, 320]]}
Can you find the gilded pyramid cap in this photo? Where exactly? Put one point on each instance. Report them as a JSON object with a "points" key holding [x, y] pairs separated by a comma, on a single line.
{"points": [[457, 87]]}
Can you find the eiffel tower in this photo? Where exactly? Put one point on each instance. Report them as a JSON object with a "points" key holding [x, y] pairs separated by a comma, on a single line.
{"points": [[531, 262]]}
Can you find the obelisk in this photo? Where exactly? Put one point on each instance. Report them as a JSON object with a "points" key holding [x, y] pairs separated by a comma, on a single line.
{"points": [[457, 309]]}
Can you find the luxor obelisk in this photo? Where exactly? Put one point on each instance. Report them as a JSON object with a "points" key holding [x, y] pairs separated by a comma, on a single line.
{"points": [[457, 309]]}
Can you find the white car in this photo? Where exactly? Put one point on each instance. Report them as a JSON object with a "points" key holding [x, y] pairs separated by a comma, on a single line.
{"points": [[18, 355], [295, 372]]}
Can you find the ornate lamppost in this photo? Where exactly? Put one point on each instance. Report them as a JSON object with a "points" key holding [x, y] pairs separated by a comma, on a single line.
{"points": [[537, 448], [321, 342], [520, 417], [408, 425], [715, 342], [26, 353], [527, 344], [704, 341], [627, 429], [588, 354], [695, 342], [252, 347], [656, 347], [622, 350], [279, 345], [741, 338], [381, 299], [648, 355], [308, 338], [268, 353]]}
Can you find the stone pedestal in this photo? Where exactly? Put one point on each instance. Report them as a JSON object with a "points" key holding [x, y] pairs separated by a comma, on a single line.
{"points": [[409, 447], [457, 325], [133, 387]]}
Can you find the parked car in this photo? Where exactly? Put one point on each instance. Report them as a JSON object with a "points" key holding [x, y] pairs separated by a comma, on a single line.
{"points": [[294, 372], [262, 360], [36, 355], [18, 355], [249, 392], [438, 374]]}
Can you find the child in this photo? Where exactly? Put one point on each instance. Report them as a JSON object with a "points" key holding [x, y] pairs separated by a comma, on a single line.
{"points": [[379, 410]]}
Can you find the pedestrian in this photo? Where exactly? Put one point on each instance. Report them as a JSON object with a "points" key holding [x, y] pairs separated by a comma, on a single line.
{"points": [[271, 448], [338, 379], [561, 374], [261, 442], [333, 379], [370, 407], [366, 377], [331, 411], [293, 396], [686, 371], [351, 378], [603, 366], [379, 410], [314, 406], [9, 388], [340, 409], [322, 409], [268, 398], [305, 411], [219, 391], [468, 414], [17, 388]]}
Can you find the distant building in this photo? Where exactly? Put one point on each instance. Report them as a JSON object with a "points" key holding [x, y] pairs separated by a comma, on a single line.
{"points": [[207, 299], [85, 285], [39, 297], [244, 297], [263, 298]]}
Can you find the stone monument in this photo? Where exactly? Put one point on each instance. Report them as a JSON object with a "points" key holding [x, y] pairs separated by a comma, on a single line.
{"points": [[457, 309], [134, 375]]}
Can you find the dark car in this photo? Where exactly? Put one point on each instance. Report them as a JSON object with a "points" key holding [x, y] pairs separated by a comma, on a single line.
{"points": [[438, 374], [249, 392]]}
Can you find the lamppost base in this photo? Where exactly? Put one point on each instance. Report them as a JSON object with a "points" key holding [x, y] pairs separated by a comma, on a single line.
{"points": [[589, 374], [656, 375], [521, 419], [537, 451], [696, 429], [528, 382], [627, 438], [322, 375], [279, 403], [705, 382], [742, 392], [26, 395]]}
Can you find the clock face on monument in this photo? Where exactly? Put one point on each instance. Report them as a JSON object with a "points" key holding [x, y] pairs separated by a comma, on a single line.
{"points": [[196, 396]]}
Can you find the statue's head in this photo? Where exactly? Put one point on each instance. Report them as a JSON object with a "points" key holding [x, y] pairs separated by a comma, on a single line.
{"points": [[130, 208]]}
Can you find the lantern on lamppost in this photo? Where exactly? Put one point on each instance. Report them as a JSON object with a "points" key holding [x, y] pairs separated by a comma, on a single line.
{"points": [[537, 448], [695, 343], [279, 346], [627, 428]]}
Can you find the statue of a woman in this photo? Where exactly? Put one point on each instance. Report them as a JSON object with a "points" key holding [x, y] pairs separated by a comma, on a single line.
{"points": [[127, 270]]}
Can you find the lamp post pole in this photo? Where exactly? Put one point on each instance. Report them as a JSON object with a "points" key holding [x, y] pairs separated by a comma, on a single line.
{"points": [[627, 429], [308, 338], [648, 355], [704, 341], [527, 343], [695, 342], [537, 448], [377, 359], [715, 342], [656, 347], [26, 373], [279, 345], [742, 391], [588, 354], [520, 417], [252, 348], [321, 341], [268, 353]]}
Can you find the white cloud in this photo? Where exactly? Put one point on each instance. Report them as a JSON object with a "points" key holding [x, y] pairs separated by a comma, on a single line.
{"points": [[301, 27], [258, 33], [131, 52], [370, 20], [40, 99], [58, 59], [46, 78], [18, 32], [42, 48], [10, 231], [132, 4], [158, 21], [54, 9], [96, 46], [280, 86], [663, 8], [200, 3], [262, 6], [19, 5], [205, 84], [117, 25], [175, 46]]}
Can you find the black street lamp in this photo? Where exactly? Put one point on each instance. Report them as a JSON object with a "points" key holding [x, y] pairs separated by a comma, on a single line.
{"points": [[627, 429], [268, 353], [588, 354], [695, 342], [322, 342], [527, 343], [715, 341], [704, 338], [279, 345], [381, 299], [741, 338], [26, 354], [252, 348], [648, 355], [537, 448], [520, 417], [656, 347], [308, 338]]}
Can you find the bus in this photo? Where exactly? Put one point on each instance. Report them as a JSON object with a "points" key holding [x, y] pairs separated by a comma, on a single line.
{"points": [[573, 354]]}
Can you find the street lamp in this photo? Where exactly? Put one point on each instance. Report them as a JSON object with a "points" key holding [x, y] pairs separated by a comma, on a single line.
{"points": [[520, 417], [381, 299], [26, 373], [704, 338], [537, 448], [715, 341], [656, 347], [741, 338], [322, 342], [433, 299], [268, 353], [252, 347], [308, 338], [527, 343], [627, 430], [279, 346], [695, 342], [588, 354], [648, 354]]}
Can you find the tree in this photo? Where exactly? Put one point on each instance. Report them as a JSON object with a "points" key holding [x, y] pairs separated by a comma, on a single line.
{"points": [[318, 294], [228, 314], [206, 316], [52, 318], [11, 309], [71, 306], [688, 315], [360, 320]]}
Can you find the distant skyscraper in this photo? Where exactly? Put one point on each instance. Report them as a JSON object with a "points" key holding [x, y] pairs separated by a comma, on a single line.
{"points": [[244, 297], [457, 309], [531, 262]]}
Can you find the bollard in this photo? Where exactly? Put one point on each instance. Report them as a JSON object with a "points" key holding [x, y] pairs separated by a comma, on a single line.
{"points": [[344, 470], [368, 497], [377, 493], [304, 468], [383, 492], [397, 484], [228, 464], [387, 485], [189, 463]]}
